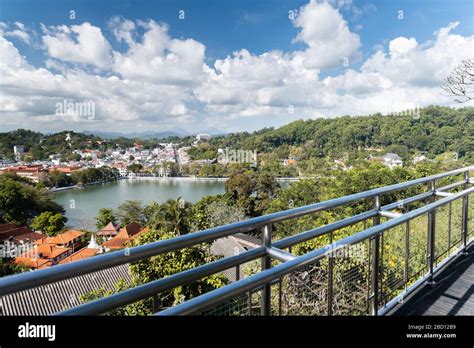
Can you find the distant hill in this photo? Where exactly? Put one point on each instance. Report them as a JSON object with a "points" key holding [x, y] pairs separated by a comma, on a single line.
{"points": [[435, 130], [176, 132], [139, 135]]}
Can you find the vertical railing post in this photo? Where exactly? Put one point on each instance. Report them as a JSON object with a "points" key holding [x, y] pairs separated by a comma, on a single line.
{"points": [[156, 303], [330, 276], [266, 264], [431, 235], [406, 269], [375, 261], [237, 273], [465, 212]]}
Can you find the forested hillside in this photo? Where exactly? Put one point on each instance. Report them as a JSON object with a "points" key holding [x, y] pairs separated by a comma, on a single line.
{"points": [[435, 130]]}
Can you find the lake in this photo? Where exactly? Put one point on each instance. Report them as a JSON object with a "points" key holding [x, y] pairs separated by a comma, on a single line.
{"points": [[82, 205]]}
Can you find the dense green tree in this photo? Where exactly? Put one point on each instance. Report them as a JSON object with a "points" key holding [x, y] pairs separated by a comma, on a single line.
{"points": [[56, 178], [92, 175], [135, 167], [239, 188], [130, 211], [21, 200], [172, 216], [164, 265], [251, 191], [7, 267], [104, 216]]}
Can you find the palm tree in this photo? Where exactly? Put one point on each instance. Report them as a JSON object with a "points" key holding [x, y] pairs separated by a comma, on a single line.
{"points": [[172, 216], [176, 216]]}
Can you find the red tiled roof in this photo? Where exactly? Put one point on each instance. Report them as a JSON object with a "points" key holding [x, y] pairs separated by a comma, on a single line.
{"points": [[64, 237], [6, 227], [131, 229], [32, 236], [108, 230], [32, 262], [126, 234], [49, 251], [4, 235]]}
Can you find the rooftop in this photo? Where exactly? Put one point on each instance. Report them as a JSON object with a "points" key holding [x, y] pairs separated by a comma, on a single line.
{"points": [[84, 253], [63, 238]]}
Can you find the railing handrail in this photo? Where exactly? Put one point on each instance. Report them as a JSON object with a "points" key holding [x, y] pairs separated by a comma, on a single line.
{"points": [[28, 280]]}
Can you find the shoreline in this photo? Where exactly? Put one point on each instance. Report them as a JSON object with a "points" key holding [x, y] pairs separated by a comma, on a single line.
{"points": [[189, 178], [160, 178]]}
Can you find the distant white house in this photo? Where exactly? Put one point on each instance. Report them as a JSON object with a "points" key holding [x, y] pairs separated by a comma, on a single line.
{"points": [[419, 158], [203, 136], [392, 160]]}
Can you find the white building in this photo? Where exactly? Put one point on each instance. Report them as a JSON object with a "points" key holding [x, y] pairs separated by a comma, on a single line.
{"points": [[419, 158], [123, 171], [203, 136], [392, 160]]}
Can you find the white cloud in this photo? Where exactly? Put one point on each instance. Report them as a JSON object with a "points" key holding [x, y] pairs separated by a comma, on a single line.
{"points": [[158, 80], [82, 43], [401, 46], [158, 58], [410, 64], [17, 30]]}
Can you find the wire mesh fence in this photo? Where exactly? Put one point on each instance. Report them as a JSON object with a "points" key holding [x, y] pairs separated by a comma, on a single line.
{"points": [[305, 291], [417, 247], [393, 262], [341, 282], [246, 304], [351, 280], [456, 223], [443, 216]]}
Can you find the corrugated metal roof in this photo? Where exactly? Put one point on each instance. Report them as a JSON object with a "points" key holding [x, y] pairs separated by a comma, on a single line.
{"points": [[51, 298]]}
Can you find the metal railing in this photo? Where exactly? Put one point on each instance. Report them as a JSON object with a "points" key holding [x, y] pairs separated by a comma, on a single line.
{"points": [[364, 272]]}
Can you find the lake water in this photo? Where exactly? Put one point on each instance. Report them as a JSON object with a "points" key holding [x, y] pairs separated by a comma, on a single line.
{"points": [[82, 205]]}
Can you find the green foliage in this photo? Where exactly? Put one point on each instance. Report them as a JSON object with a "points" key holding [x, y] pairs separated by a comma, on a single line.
{"points": [[21, 200], [135, 167], [438, 129], [170, 263], [93, 175], [130, 211], [7, 267], [49, 223], [158, 267], [172, 216], [121, 285], [250, 191], [41, 146], [56, 178], [202, 151]]}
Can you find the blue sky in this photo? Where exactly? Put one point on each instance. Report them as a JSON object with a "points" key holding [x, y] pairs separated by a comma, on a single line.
{"points": [[222, 28]]}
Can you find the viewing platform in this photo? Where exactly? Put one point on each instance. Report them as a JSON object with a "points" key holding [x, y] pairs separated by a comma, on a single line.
{"points": [[451, 294]]}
